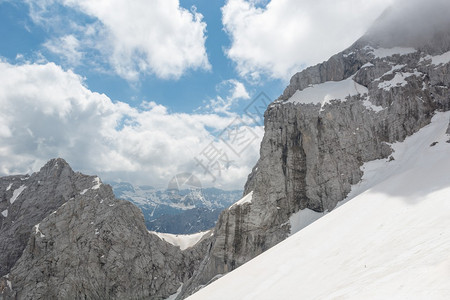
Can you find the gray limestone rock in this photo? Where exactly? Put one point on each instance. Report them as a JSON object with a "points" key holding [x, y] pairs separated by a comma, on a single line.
{"points": [[94, 246], [27, 200]]}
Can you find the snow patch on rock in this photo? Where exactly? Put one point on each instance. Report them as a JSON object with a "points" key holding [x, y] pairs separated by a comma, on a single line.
{"points": [[369, 105], [97, 183], [386, 52], [37, 230], [174, 296], [246, 199], [441, 59], [398, 80], [325, 92], [17, 193], [367, 65]]}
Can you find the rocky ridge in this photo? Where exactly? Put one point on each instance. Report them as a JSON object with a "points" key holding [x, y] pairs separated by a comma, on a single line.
{"points": [[94, 246], [26, 200]]}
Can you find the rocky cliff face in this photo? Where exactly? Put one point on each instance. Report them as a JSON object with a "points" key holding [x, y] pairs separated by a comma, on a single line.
{"points": [[93, 246], [27, 200], [331, 119]]}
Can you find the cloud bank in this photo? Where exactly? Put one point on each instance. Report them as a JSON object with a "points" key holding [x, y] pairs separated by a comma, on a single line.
{"points": [[136, 37], [48, 112]]}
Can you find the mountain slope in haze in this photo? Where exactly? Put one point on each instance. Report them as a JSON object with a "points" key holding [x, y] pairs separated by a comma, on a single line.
{"points": [[390, 241], [185, 222], [177, 211]]}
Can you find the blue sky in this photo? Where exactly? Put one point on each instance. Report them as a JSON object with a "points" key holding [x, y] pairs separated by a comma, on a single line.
{"points": [[188, 93], [136, 91]]}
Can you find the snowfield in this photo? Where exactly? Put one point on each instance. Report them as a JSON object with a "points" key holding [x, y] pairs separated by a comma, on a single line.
{"points": [[390, 241], [183, 241], [325, 92]]}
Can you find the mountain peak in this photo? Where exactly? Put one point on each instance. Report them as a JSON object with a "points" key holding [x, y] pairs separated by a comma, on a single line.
{"points": [[55, 163]]}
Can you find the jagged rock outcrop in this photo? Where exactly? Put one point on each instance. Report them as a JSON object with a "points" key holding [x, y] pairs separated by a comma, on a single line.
{"points": [[311, 153], [27, 200], [94, 246]]}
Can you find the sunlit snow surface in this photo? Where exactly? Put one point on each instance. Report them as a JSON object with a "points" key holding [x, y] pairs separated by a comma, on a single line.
{"points": [[183, 241], [398, 80], [438, 59], [391, 241], [246, 199], [325, 92], [303, 218]]}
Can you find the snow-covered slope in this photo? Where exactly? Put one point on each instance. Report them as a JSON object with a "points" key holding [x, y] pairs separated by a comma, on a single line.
{"points": [[391, 241], [183, 241]]}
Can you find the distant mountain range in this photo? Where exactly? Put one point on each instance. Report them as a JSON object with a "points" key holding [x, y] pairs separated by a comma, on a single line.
{"points": [[177, 211]]}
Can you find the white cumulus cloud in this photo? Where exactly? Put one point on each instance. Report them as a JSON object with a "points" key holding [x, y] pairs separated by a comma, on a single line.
{"points": [[48, 112], [285, 36], [68, 47], [229, 92], [135, 37]]}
